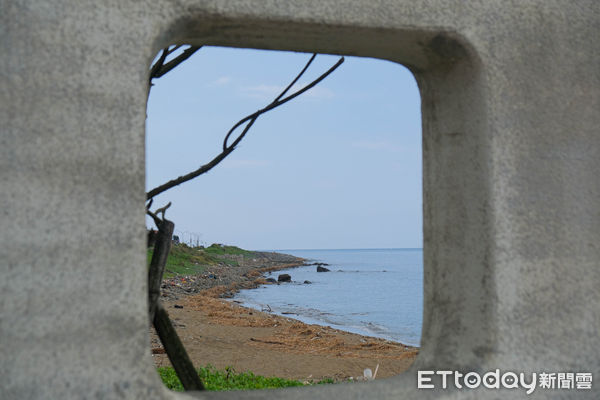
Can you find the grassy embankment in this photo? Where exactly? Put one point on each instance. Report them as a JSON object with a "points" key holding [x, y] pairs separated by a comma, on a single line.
{"points": [[185, 260]]}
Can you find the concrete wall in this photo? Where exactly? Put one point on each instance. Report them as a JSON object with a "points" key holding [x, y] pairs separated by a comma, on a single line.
{"points": [[511, 110]]}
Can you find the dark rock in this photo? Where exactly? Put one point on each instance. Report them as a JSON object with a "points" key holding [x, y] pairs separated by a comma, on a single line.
{"points": [[271, 280], [284, 278], [307, 282], [322, 269], [177, 306], [318, 264]]}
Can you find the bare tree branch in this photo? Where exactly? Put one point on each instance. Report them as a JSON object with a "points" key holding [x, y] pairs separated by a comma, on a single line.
{"points": [[162, 210], [158, 65], [277, 103], [297, 77], [174, 48], [274, 101], [187, 53], [155, 217], [160, 68], [250, 119]]}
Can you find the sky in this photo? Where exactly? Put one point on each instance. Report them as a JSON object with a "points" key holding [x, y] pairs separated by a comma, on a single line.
{"points": [[339, 167]]}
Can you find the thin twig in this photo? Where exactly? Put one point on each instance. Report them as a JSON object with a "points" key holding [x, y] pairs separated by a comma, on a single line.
{"points": [[158, 65], [297, 77], [160, 68], [256, 114], [156, 219], [227, 149], [174, 48], [163, 210], [165, 68], [203, 169], [277, 102]]}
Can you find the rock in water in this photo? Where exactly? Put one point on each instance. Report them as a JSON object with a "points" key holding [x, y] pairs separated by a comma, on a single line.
{"points": [[284, 278], [271, 280], [322, 269]]}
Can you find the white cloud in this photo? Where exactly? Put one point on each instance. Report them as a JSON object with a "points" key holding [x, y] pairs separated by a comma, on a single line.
{"points": [[262, 92], [269, 92], [224, 80]]}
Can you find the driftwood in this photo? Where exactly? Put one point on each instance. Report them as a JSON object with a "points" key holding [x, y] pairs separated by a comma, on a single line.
{"points": [[266, 341]]}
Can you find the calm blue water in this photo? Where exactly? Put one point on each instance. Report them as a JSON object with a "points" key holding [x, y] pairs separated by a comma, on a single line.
{"points": [[374, 292]]}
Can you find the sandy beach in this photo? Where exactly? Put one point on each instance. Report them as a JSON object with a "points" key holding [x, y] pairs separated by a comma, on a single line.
{"points": [[222, 333]]}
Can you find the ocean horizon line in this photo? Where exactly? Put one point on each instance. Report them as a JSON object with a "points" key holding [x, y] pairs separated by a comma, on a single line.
{"points": [[346, 249]]}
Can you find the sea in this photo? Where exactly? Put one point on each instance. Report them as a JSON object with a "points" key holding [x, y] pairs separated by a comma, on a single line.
{"points": [[372, 292]]}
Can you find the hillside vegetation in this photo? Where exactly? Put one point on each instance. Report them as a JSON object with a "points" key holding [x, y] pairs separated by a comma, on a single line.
{"points": [[186, 260]]}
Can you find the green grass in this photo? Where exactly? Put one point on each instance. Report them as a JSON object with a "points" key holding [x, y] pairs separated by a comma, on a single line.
{"points": [[218, 249], [228, 379], [185, 260]]}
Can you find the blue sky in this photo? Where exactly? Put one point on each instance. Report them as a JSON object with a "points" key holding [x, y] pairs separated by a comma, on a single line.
{"points": [[338, 167]]}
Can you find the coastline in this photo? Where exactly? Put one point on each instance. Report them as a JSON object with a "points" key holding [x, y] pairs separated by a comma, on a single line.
{"points": [[222, 333]]}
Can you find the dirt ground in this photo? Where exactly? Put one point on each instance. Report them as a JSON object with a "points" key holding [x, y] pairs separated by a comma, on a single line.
{"points": [[221, 333]]}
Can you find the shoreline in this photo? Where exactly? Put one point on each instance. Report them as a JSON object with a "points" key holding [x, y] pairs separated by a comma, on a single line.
{"points": [[225, 281], [223, 333]]}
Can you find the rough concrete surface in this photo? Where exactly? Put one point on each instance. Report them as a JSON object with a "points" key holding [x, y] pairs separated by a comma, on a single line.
{"points": [[510, 101]]}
